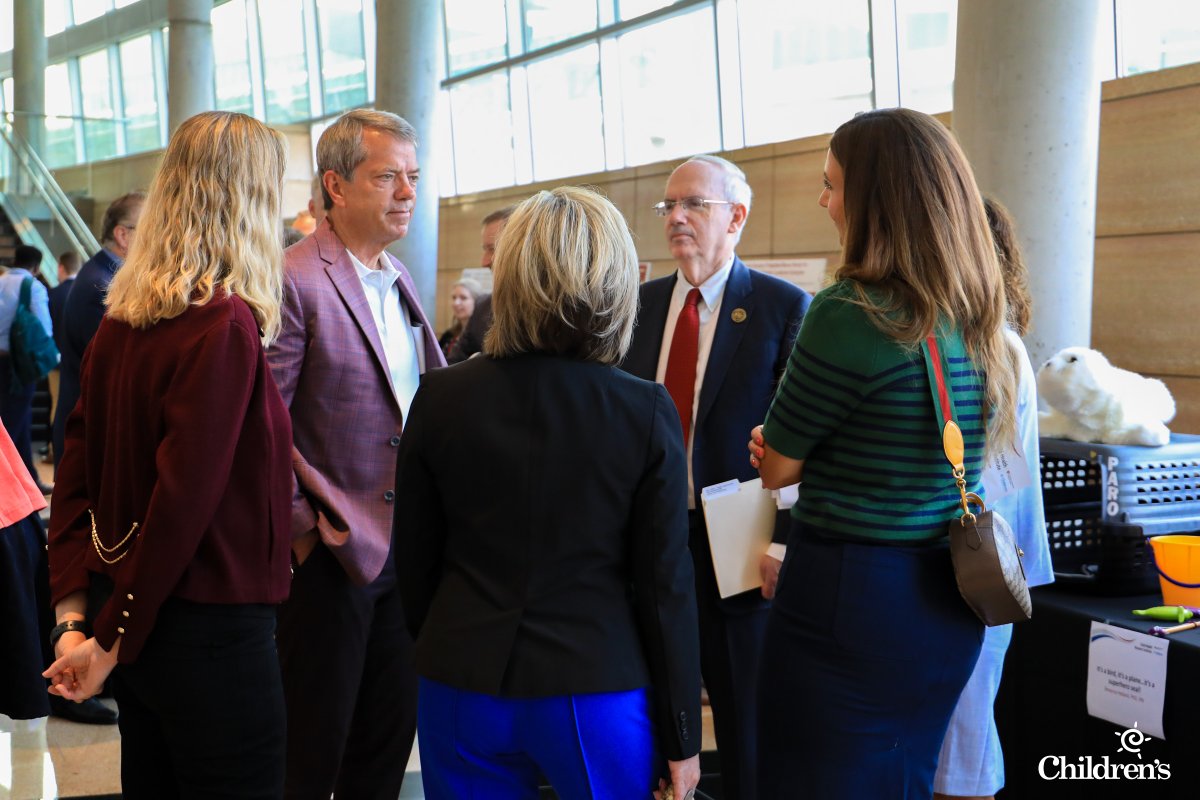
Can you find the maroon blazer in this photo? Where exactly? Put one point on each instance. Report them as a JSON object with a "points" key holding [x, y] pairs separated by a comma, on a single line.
{"points": [[331, 370], [180, 429]]}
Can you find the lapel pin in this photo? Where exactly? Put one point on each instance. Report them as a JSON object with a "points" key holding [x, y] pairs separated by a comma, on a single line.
{"points": [[738, 315]]}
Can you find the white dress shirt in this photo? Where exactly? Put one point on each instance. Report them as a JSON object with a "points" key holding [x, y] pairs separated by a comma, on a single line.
{"points": [[396, 333], [712, 291]]}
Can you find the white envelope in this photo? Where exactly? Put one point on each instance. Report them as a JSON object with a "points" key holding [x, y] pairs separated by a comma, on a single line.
{"points": [[740, 519]]}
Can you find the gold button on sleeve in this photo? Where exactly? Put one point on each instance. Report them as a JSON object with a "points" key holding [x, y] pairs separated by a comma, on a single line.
{"points": [[121, 630], [124, 613], [128, 597]]}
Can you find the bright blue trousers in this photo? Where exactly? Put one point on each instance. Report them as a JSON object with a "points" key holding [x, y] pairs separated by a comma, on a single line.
{"points": [[590, 746]]}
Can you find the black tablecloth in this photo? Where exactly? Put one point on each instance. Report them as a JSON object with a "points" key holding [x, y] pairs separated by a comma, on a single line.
{"points": [[1042, 706]]}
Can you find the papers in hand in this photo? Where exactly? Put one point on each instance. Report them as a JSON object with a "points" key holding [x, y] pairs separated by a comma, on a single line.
{"points": [[740, 518]]}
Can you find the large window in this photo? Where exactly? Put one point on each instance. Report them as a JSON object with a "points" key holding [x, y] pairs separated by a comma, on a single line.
{"points": [[550, 21], [61, 143], [476, 33], [547, 88], [669, 88], [285, 60], [343, 54], [58, 16], [6, 29], [142, 126], [636, 8], [925, 37], [1168, 37], [86, 10], [231, 57], [483, 133], [539, 89], [99, 127], [566, 125], [806, 67]]}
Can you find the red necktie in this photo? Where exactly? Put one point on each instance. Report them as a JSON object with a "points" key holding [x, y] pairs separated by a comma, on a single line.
{"points": [[681, 361]]}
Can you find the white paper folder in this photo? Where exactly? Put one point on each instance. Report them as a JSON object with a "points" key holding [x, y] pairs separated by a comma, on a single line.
{"points": [[740, 519]]}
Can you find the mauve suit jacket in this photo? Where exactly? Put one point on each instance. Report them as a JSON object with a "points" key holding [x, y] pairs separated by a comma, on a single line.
{"points": [[330, 367]]}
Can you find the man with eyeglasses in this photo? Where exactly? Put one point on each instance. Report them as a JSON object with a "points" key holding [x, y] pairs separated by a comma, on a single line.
{"points": [[718, 336], [84, 308]]}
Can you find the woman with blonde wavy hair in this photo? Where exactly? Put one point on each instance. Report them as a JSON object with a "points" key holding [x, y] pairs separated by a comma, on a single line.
{"points": [[869, 644], [553, 605], [170, 534]]}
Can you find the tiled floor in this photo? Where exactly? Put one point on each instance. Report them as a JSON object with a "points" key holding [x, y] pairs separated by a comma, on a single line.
{"points": [[53, 758], [48, 758]]}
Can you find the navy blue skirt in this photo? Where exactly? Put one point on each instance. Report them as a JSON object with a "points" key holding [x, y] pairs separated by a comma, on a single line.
{"points": [[867, 650], [24, 601]]}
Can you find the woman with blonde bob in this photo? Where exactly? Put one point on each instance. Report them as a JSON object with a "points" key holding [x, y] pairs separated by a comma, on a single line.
{"points": [[170, 533], [553, 605], [869, 644]]}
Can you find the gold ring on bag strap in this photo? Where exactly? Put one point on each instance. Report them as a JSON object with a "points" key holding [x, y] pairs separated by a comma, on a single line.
{"points": [[952, 443]]}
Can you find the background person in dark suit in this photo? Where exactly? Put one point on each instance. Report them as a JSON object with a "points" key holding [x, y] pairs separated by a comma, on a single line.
{"points": [[554, 602], [68, 267], [84, 308], [169, 524], [471, 340], [721, 375]]}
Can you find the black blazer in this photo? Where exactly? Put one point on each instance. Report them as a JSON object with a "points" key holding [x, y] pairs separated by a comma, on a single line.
{"points": [[541, 536], [749, 353], [81, 316], [58, 301]]}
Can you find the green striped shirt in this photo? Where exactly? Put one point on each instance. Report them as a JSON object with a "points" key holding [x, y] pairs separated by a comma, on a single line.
{"points": [[856, 406]]}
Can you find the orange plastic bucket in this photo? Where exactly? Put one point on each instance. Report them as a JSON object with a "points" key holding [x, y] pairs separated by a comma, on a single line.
{"points": [[1178, 559]]}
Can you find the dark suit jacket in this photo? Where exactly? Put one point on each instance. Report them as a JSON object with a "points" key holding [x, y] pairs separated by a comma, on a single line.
{"points": [[58, 301], [565, 570], [471, 341], [332, 372], [744, 367], [81, 317]]}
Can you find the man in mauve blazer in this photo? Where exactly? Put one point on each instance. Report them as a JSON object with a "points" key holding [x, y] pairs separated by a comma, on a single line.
{"points": [[354, 343], [747, 323]]}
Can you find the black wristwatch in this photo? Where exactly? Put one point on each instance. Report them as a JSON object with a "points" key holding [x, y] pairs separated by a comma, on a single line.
{"points": [[69, 625]]}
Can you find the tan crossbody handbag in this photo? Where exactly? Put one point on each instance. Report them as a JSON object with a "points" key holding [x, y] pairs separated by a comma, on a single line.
{"points": [[987, 560]]}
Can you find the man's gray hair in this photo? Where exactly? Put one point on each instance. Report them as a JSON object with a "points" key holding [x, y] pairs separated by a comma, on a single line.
{"points": [[736, 187], [341, 149]]}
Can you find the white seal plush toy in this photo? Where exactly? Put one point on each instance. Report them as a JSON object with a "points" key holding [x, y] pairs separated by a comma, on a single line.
{"points": [[1093, 401]]}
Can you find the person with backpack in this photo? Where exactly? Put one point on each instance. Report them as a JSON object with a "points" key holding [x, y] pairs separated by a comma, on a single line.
{"points": [[20, 290]]}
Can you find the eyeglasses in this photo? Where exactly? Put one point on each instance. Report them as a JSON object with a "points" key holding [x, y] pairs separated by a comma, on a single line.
{"points": [[690, 204]]}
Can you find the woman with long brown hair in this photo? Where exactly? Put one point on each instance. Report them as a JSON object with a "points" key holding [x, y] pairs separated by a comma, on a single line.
{"points": [[869, 643], [971, 763]]}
